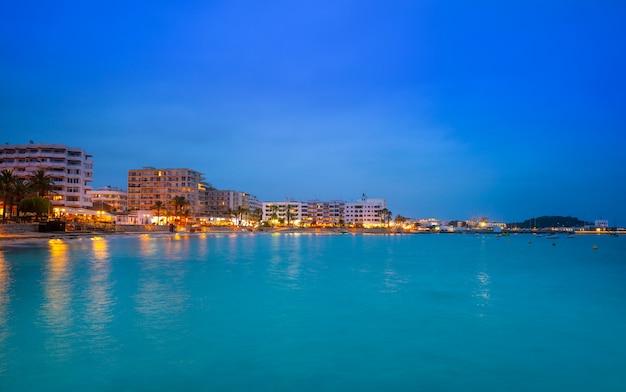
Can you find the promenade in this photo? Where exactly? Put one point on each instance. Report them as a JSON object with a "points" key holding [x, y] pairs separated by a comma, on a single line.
{"points": [[28, 233]]}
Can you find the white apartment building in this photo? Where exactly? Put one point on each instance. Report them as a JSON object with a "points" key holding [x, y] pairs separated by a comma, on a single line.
{"points": [[70, 169], [109, 198], [325, 213], [288, 211], [364, 212]]}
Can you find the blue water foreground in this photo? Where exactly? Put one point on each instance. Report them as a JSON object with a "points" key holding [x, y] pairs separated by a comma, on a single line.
{"points": [[306, 312]]}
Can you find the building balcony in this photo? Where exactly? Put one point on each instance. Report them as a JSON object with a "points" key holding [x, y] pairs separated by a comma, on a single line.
{"points": [[52, 165]]}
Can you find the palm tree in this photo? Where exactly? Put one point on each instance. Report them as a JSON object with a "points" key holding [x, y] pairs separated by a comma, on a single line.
{"points": [[7, 182], [158, 205], [385, 215], [240, 213], [185, 214], [179, 202], [231, 215], [257, 214], [289, 215], [41, 183], [388, 216], [400, 220], [274, 212], [21, 189], [38, 205]]}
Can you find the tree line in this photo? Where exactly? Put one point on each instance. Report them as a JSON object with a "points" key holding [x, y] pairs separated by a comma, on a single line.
{"points": [[25, 195], [177, 208], [543, 222]]}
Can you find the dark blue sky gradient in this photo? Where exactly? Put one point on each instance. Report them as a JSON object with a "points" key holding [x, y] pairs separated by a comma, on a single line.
{"points": [[445, 108]]}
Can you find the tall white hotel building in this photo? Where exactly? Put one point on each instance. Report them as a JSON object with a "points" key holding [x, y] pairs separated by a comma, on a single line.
{"points": [[70, 169]]}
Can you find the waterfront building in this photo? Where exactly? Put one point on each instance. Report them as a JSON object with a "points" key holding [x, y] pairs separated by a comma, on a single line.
{"points": [[69, 168], [601, 223], [429, 223], [148, 185], [220, 204], [288, 211], [323, 213], [135, 217], [364, 212], [109, 199]]}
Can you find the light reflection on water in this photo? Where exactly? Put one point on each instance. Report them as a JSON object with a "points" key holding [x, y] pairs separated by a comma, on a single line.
{"points": [[202, 246], [233, 249], [392, 279], [175, 246], [5, 286], [98, 313], [147, 246], [482, 290], [284, 266], [162, 297], [56, 310]]}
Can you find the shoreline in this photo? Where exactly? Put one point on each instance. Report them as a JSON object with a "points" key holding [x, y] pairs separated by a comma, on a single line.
{"points": [[25, 238]]}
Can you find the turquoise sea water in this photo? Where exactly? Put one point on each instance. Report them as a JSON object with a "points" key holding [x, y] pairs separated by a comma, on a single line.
{"points": [[262, 312]]}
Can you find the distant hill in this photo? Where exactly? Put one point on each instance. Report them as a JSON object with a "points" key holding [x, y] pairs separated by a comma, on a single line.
{"points": [[549, 221]]}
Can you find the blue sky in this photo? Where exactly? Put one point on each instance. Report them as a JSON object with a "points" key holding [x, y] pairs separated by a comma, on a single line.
{"points": [[447, 109]]}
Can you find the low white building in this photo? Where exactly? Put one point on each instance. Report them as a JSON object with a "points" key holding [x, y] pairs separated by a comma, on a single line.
{"points": [[601, 223], [109, 198], [134, 217], [288, 211]]}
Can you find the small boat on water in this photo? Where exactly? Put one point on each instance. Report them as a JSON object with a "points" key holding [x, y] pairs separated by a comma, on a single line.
{"points": [[552, 235]]}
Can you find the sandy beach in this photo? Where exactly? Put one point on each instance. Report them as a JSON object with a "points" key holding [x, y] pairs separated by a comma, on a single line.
{"points": [[25, 237]]}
